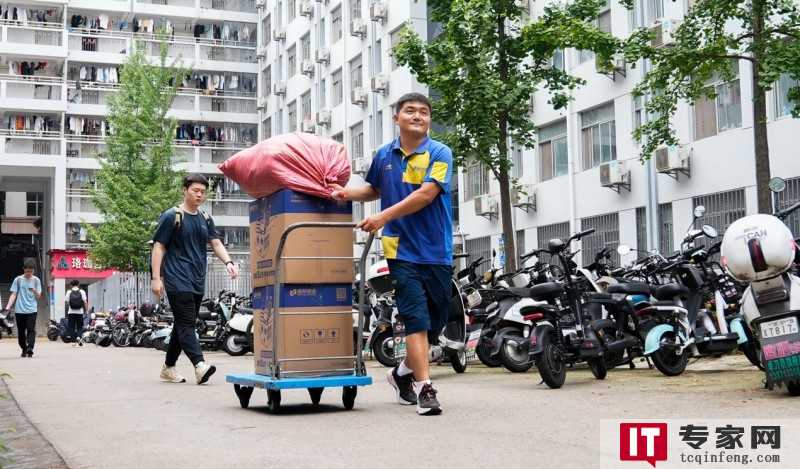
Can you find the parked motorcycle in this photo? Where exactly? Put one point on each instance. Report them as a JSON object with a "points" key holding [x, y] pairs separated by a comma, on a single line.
{"points": [[761, 250], [6, 323]]}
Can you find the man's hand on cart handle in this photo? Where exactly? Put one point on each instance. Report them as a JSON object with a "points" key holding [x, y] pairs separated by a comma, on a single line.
{"points": [[374, 223]]}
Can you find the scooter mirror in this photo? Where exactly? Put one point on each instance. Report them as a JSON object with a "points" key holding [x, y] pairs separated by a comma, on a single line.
{"points": [[777, 184], [623, 249], [699, 211], [710, 231]]}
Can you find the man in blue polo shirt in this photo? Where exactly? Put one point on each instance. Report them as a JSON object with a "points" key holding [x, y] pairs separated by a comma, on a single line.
{"points": [[411, 176]]}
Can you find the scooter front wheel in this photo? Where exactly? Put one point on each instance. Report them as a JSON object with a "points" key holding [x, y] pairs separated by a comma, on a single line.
{"points": [[485, 355], [550, 362], [598, 367], [383, 349], [458, 360], [52, 334]]}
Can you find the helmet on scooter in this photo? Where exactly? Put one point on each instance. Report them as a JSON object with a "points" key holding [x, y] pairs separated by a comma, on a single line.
{"points": [[379, 278], [757, 247]]}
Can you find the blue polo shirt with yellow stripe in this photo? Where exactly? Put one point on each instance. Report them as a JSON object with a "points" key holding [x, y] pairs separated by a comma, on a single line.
{"points": [[424, 237]]}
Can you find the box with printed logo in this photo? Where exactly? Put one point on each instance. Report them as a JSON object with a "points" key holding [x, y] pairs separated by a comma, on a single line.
{"points": [[315, 321], [269, 218]]}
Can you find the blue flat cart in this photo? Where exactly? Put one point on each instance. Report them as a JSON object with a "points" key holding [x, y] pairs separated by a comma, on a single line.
{"points": [[314, 381]]}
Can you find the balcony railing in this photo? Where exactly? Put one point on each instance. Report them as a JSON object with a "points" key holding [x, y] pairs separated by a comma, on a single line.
{"points": [[27, 145], [228, 207], [243, 6], [33, 33], [31, 87], [80, 200]]}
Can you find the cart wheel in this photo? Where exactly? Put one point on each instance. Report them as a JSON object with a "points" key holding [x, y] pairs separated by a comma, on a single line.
{"points": [[316, 395], [243, 393], [273, 400], [349, 397]]}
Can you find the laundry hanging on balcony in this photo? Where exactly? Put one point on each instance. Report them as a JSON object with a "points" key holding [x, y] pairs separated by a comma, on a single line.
{"points": [[32, 123]]}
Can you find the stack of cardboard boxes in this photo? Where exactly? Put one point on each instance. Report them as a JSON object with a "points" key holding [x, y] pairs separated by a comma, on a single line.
{"points": [[315, 308]]}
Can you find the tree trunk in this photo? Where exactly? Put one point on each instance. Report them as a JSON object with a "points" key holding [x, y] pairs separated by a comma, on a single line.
{"points": [[760, 138], [506, 211]]}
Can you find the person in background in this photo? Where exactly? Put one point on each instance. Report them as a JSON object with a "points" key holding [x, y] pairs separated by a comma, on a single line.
{"points": [[77, 304], [25, 293]]}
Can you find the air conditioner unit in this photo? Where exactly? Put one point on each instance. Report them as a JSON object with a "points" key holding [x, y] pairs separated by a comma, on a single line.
{"points": [[358, 28], [261, 104], [673, 160], [521, 4], [486, 206], [524, 197], [616, 67], [378, 11], [358, 96], [261, 3], [323, 56], [380, 84], [261, 53], [308, 126], [324, 118], [361, 166], [307, 68], [361, 237], [664, 32], [278, 35], [614, 175], [279, 89], [307, 8]]}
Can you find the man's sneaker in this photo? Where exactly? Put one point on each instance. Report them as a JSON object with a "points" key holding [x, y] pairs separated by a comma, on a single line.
{"points": [[427, 404], [171, 375], [30, 353], [402, 386], [203, 371]]}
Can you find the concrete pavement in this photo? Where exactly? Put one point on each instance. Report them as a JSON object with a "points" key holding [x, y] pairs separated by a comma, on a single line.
{"points": [[105, 408]]}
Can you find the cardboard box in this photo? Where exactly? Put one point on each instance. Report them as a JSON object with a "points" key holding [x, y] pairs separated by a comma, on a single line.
{"points": [[269, 218], [308, 331]]}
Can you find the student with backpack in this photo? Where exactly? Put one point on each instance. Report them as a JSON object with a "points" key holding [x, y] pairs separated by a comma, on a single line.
{"points": [[77, 304], [179, 269]]}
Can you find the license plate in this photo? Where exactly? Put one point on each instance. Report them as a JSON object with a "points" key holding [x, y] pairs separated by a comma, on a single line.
{"points": [[474, 299], [779, 327]]}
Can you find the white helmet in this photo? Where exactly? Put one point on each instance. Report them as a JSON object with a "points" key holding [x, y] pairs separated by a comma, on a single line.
{"points": [[756, 248], [379, 278]]}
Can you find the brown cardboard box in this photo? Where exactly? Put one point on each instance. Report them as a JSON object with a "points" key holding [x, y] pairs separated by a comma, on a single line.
{"points": [[306, 242], [305, 333]]}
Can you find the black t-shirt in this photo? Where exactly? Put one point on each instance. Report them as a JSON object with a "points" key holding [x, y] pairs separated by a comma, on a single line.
{"points": [[184, 265]]}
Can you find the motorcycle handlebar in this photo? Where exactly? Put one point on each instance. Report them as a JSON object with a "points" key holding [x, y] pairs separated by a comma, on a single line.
{"points": [[581, 234], [783, 214]]}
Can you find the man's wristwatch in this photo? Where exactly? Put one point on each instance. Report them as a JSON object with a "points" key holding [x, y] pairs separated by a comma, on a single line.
{"points": [[229, 262]]}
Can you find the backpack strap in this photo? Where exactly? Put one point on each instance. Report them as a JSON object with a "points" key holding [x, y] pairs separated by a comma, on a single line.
{"points": [[178, 217]]}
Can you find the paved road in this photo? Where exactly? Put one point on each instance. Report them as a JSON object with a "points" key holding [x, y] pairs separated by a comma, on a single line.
{"points": [[104, 408]]}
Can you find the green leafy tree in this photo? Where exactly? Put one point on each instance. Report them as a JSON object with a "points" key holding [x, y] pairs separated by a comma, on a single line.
{"points": [[484, 67], [713, 36], [136, 181]]}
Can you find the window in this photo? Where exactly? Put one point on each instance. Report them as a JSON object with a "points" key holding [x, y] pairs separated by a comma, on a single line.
{"points": [[35, 204], [714, 115], [336, 84], [279, 13], [266, 81], [547, 232], [291, 9], [606, 235], [722, 209], [355, 9], [378, 57], [783, 106], [553, 151], [323, 96], [646, 12], [603, 23], [321, 39], [476, 181], [357, 141], [305, 106], [665, 234], [520, 245], [356, 73], [305, 46], [266, 129], [638, 111], [479, 247], [338, 137], [279, 72], [394, 38], [557, 61], [787, 198], [379, 127], [517, 168], [279, 121], [266, 27], [598, 132], [291, 114], [336, 24], [291, 61]]}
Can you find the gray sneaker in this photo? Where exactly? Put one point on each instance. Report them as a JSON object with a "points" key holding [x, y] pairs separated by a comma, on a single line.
{"points": [[402, 386], [427, 404]]}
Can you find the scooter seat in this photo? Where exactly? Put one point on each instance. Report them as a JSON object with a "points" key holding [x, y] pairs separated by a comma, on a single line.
{"points": [[546, 291], [670, 291], [632, 288], [206, 315]]}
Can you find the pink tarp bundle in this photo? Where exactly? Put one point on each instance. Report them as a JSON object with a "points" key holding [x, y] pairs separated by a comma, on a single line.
{"points": [[301, 162]]}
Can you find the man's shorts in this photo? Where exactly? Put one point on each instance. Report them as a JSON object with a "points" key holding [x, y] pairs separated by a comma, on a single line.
{"points": [[423, 293]]}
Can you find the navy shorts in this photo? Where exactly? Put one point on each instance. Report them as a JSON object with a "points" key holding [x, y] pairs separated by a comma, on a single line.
{"points": [[423, 293]]}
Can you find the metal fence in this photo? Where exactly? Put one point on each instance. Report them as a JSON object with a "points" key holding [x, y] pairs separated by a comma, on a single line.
{"points": [[666, 236], [788, 197], [606, 235], [124, 288], [479, 247], [722, 209], [547, 232]]}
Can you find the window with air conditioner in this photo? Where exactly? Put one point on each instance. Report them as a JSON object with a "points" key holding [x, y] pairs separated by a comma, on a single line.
{"points": [[552, 150], [784, 106], [598, 135], [291, 114], [336, 24], [724, 112], [305, 46], [337, 88], [476, 181]]}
